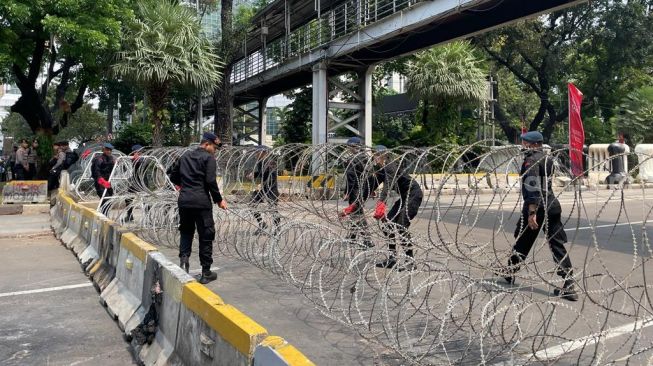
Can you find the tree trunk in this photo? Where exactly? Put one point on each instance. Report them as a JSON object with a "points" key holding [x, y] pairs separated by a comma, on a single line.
{"points": [[158, 96], [222, 96], [508, 129], [110, 115]]}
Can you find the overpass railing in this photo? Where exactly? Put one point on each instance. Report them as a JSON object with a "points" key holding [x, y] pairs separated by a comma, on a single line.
{"points": [[344, 19]]}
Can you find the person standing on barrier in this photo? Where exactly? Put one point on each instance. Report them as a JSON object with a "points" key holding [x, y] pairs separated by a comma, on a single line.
{"points": [[397, 221], [101, 172], [357, 191], [195, 173], [540, 203], [22, 165], [265, 173]]}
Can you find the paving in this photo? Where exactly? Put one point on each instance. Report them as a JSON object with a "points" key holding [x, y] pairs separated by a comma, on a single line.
{"points": [[49, 310]]}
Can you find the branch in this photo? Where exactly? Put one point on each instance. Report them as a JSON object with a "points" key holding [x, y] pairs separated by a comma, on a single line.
{"points": [[512, 69], [35, 64], [20, 76], [51, 73]]}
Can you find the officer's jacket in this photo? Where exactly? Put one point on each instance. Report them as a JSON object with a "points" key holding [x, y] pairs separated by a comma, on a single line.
{"points": [[266, 172], [536, 174], [398, 180], [102, 167], [358, 185], [195, 172]]}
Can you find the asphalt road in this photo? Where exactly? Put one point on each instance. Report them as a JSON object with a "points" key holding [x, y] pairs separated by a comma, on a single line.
{"points": [[49, 310]]}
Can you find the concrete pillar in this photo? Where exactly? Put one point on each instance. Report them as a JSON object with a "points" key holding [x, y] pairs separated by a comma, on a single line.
{"points": [[320, 103], [262, 120], [365, 119]]}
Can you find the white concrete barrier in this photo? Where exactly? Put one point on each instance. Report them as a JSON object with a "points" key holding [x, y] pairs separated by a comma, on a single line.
{"points": [[598, 162], [645, 159]]}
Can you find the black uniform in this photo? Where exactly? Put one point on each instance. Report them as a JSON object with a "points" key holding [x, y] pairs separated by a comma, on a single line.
{"points": [[405, 208], [266, 173], [195, 172], [102, 168], [358, 188], [536, 173]]}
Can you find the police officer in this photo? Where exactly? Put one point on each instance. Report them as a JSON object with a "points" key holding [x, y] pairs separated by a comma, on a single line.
{"points": [[540, 202], [265, 173], [22, 165], [357, 191], [101, 172], [403, 210], [53, 171], [195, 173]]}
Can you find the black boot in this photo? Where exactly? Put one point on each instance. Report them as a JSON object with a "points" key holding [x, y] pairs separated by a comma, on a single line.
{"points": [[206, 277], [184, 263], [568, 291]]}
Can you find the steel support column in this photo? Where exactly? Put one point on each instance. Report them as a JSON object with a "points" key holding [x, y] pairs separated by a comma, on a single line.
{"points": [[262, 120], [320, 103], [365, 118]]}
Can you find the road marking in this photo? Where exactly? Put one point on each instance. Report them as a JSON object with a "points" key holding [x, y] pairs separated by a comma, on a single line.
{"points": [[47, 289], [607, 225], [566, 347]]}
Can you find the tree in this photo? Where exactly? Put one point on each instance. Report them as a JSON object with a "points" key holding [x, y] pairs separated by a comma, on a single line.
{"points": [[445, 78], [85, 125], [295, 118], [162, 49], [634, 116], [50, 44], [603, 47], [132, 134], [14, 125]]}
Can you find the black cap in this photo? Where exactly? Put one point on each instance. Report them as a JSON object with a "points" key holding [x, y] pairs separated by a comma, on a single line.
{"points": [[210, 136]]}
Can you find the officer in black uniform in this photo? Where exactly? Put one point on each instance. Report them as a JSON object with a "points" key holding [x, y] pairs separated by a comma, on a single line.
{"points": [[101, 172], [195, 173], [265, 173], [357, 191], [402, 211], [540, 202]]}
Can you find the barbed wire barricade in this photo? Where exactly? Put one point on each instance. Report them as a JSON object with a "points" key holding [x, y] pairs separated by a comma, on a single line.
{"points": [[444, 302]]}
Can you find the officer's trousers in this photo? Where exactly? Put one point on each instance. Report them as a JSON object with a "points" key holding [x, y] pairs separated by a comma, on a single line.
{"points": [[271, 199], [555, 234], [202, 220], [403, 211], [358, 227]]}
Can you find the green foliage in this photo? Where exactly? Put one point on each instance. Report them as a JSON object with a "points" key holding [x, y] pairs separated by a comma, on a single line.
{"points": [[295, 119], [634, 115], [132, 134], [85, 125], [14, 125], [447, 79], [392, 130], [164, 49], [70, 40], [450, 73], [164, 46]]}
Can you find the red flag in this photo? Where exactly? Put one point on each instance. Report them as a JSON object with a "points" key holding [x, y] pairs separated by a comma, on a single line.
{"points": [[576, 131]]}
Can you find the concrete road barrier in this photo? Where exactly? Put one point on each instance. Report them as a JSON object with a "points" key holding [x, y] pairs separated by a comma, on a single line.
{"points": [[25, 191], [170, 280], [123, 296], [645, 159], [214, 333], [141, 287]]}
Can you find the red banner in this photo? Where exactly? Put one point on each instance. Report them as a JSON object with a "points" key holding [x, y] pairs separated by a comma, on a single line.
{"points": [[576, 131]]}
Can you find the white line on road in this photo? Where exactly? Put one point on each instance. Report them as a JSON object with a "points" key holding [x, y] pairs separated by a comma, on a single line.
{"points": [[561, 349], [607, 225], [47, 289]]}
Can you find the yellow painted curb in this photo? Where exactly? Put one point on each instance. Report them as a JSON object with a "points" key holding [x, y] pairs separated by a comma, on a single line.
{"points": [[233, 326], [137, 246], [289, 353]]}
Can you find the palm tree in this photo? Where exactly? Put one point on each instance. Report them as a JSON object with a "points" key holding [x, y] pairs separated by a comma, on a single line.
{"points": [[164, 48], [446, 77]]}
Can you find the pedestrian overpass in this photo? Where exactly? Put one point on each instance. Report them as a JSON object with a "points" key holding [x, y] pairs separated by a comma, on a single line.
{"points": [[298, 42]]}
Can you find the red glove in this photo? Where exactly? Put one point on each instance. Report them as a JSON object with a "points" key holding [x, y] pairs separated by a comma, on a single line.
{"points": [[348, 210], [86, 153], [177, 188], [104, 183], [379, 211]]}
